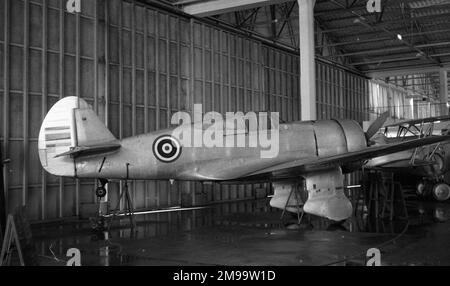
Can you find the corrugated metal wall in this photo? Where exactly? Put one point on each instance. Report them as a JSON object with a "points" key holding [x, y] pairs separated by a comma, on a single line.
{"points": [[341, 94], [137, 65], [385, 97], [401, 103]]}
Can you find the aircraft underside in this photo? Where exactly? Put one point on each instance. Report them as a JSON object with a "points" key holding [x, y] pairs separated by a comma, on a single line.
{"points": [[321, 194]]}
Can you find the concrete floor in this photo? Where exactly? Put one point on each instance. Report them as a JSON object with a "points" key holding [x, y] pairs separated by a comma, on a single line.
{"points": [[250, 234]]}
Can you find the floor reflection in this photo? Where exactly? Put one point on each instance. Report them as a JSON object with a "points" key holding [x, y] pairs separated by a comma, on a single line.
{"points": [[206, 225]]}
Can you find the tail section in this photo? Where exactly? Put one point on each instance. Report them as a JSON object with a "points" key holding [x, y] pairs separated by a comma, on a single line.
{"points": [[70, 127]]}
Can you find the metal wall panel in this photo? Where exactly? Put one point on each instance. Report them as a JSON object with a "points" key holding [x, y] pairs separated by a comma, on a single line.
{"points": [[137, 65], [341, 94], [399, 102]]}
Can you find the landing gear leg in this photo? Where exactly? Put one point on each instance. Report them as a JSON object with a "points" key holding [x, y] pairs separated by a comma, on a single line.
{"points": [[98, 223]]}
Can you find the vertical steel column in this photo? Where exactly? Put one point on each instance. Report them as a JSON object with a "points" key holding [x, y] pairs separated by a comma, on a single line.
{"points": [[191, 96], [236, 77], [307, 59], [220, 63], [146, 116], [168, 103], [157, 95], [78, 94], [61, 88], [251, 85], [244, 82], [203, 68], [44, 97], [133, 81], [261, 82], [443, 91], [5, 119], [240, 189], [106, 63], [146, 92], [293, 92], [167, 59], [212, 64], [179, 198], [221, 107], [96, 84], [157, 71], [228, 108], [26, 43], [133, 67], [106, 75], [121, 107], [341, 94], [120, 44], [178, 64]]}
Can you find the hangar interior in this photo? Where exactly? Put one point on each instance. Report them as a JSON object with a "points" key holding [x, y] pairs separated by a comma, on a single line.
{"points": [[139, 62]]}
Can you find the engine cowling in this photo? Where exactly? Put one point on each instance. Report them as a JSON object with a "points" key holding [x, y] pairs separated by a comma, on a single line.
{"points": [[335, 137]]}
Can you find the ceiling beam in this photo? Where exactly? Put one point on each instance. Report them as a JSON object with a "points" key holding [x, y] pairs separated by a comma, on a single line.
{"points": [[432, 9], [437, 20], [376, 39], [364, 22], [404, 70], [363, 8], [391, 49], [215, 7]]}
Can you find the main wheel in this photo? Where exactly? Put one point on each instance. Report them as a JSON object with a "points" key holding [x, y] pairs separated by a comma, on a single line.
{"points": [[441, 192], [100, 192]]}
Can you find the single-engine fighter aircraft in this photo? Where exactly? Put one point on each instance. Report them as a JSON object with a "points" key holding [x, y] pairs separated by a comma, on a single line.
{"points": [[73, 142], [428, 165]]}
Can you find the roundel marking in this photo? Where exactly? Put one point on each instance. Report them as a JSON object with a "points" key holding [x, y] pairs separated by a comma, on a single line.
{"points": [[167, 149]]}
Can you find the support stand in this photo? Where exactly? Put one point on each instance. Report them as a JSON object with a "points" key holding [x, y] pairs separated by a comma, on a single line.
{"points": [[295, 191], [129, 208], [11, 237], [18, 238], [385, 197], [357, 198]]}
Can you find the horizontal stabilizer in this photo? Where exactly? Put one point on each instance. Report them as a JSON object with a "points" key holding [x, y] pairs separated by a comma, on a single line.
{"points": [[90, 150]]}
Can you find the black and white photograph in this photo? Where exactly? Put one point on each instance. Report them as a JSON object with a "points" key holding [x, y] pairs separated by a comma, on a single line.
{"points": [[224, 140]]}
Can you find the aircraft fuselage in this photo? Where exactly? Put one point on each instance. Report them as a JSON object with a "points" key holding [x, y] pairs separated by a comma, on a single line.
{"points": [[297, 140]]}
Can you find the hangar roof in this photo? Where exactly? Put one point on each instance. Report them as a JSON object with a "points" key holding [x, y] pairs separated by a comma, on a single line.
{"points": [[407, 37]]}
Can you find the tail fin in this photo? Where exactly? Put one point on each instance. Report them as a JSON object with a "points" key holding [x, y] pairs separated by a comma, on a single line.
{"points": [[69, 125]]}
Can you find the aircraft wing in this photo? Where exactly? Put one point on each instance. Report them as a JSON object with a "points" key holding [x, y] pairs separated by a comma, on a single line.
{"points": [[419, 121], [297, 167]]}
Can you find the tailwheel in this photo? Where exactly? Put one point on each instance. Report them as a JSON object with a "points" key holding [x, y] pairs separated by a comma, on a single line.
{"points": [[441, 192], [101, 191]]}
